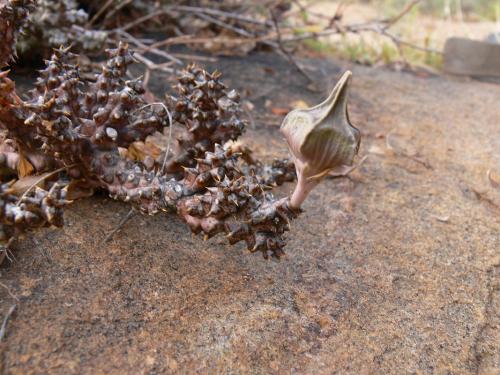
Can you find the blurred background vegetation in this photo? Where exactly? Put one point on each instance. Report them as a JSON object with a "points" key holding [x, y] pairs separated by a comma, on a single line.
{"points": [[471, 10], [427, 25]]}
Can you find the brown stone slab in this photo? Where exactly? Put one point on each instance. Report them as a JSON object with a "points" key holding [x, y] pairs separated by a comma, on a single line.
{"points": [[472, 57]]}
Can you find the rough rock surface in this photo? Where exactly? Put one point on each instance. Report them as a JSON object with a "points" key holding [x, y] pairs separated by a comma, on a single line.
{"points": [[392, 271]]}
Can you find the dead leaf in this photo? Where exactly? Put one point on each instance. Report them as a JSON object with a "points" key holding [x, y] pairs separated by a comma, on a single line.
{"points": [[140, 150], [24, 168], [78, 189], [24, 183], [48, 125], [136, 151], [157, 140]]}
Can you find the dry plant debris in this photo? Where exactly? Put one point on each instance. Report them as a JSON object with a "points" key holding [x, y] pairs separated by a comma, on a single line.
{"points": [[220, 28]]}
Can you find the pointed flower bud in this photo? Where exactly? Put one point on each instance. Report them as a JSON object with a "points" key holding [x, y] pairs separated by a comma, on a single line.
{"points": [[321, 139]]}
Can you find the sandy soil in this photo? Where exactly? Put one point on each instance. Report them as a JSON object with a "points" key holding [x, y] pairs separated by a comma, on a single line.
{"points": [[393, 271]]}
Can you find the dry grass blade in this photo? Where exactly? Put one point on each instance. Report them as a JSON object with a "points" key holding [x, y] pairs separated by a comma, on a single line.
{"points": [[4, 324], [347, 171]]}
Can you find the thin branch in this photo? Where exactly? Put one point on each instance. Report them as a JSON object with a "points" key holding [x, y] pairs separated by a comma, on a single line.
{"points": [[287, 54], [390, 22], [191, 57], [133, 40], [100, 12], [399, 41], [165, 67], [216, 12], [8, 291], [119, 226], [379, 27], [337, 16], [140, 20], [225, 25], [113, 11]]}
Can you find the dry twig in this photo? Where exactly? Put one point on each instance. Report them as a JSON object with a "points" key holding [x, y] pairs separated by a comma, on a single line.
{"points": [[9, 291], [120, 225], [281, 48]]}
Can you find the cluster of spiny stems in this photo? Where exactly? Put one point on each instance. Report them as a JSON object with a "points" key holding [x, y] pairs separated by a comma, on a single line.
{"points": [[72, 131], [78, 126]]}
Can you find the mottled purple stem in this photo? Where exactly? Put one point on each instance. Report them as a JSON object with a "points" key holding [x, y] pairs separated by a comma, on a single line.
{"points": [[302, 190]]}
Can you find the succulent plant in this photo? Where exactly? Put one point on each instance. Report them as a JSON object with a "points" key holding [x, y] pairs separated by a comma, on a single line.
{"points": [[83, 124], [79, 125]]}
